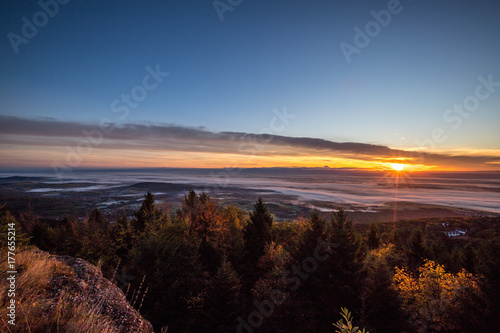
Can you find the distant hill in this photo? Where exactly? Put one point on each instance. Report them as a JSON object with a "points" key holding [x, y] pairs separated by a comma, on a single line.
{"points": [[20, 179]]}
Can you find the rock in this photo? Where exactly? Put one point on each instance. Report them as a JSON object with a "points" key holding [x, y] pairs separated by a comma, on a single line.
{"points": [[87, 284]]}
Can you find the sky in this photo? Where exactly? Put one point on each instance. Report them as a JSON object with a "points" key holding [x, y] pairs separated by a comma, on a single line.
{"points": [[231, 83]]}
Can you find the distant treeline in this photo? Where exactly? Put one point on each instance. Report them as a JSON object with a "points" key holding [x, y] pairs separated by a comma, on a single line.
{"points": [[213, 268]]}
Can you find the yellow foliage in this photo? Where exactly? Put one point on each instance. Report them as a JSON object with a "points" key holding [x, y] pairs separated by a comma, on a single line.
{"points": [[36, 309], [431, 297]]}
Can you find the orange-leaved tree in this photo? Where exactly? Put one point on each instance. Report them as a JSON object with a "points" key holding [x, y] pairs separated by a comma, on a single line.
{"points": [[437, 300]]}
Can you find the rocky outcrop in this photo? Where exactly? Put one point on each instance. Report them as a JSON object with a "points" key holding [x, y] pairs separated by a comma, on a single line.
{"points": [[88, 285]]}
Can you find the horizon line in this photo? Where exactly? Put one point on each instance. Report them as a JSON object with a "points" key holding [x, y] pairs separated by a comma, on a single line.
{"points": [[78, 169]]}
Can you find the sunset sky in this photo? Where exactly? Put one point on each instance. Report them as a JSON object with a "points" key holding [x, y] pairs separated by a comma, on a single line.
{"points": [[357, 84]]}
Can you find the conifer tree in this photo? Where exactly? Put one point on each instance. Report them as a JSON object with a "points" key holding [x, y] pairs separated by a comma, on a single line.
{"points": [[190, 207], [258, 231], [336, 280], [97, 221], [257, 235], [147, 213], [97, 242], [380, 307], [373, 239], [326, 273], [416, 249], [469, 258], [223, 299], [124, 236]]}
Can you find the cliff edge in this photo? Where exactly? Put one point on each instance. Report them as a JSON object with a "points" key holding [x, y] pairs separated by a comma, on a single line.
{"points": [[64, 294]]}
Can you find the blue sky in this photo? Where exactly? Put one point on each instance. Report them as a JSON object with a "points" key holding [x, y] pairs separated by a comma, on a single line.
{"points": [[229, 75]]}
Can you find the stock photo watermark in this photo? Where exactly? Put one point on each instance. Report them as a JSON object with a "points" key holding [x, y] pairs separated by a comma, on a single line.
{"points": [[120, 106], [293, 280], [363, 37], [457, 113], [11, 273], [30, 27], [223, 6]]}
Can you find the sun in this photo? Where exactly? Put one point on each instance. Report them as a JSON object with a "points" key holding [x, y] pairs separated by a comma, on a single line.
{"points": [[398, 166]]}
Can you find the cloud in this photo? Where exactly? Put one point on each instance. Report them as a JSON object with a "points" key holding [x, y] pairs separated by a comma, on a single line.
{"points": [[168, 137]]}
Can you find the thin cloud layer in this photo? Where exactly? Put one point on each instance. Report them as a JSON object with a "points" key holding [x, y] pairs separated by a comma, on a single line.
{"points": [[46, 133]]}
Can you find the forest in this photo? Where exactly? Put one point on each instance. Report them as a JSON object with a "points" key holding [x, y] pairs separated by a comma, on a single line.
{"points": [[206, 267]]}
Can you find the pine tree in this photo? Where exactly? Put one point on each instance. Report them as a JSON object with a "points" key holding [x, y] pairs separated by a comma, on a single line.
{"points": [[190, 208], [168, 256], [316, 229], [258, 233], [97, 242], [147, 213], [303, 310], [223, 299], [68, 240], [209, 256], [338, 279], [380, 308], [488, 265], [96, 220], [416, 249], [124, 236], [326, 274], [373, 239], [469, 258]]}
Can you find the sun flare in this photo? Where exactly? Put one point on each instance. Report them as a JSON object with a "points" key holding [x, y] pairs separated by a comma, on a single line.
{"points": [[398, 166]]}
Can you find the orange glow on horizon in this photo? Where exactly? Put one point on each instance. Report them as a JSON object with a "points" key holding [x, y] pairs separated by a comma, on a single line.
{"points": [[398, 166], [27, 156]]}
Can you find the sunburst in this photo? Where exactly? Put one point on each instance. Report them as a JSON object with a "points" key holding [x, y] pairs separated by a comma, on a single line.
{"points": [[398, 166]]}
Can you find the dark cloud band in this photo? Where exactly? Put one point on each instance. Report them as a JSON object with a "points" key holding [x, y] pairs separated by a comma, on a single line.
{"points": [[49, 132]]}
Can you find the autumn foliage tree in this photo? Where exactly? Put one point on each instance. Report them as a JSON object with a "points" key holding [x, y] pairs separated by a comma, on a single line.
{"points": [[438, 301], [210, 268], [208, 224]]}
